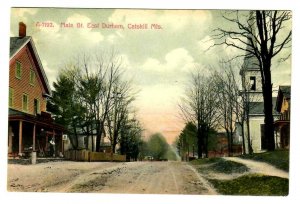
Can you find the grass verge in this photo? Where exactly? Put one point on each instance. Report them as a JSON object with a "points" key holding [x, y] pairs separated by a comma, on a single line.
{"points": [[253, 184], [205, 161], [278, 158], [220, 165], [228, 167]]}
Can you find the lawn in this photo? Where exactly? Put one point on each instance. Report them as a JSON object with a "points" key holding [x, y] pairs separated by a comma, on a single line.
{"points": [[205, 161], [220, 165], [278, 158], [253, 184], [249, 184]]}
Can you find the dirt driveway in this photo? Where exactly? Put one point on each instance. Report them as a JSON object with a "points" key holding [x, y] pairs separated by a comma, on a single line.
{"points": [[133, 177]]}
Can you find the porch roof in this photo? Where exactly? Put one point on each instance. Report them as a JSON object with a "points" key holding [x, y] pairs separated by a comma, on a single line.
{"points": [[14, 115]]}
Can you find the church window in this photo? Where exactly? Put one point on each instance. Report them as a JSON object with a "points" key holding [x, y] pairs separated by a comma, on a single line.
{"points": [[252, 83]]}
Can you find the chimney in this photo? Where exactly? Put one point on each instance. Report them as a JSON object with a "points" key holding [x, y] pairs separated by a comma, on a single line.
{"points": [[22, 30]]}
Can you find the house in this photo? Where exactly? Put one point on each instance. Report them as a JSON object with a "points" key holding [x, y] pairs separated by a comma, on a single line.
{"points": [[282, 125], [88, 142], [30, 125]]}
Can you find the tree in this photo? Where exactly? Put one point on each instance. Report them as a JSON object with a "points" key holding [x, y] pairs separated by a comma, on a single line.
{"points": [[92, 89], [65, 107], [94, 78], [260, 37], [225, 88], [131, 142], [200, 107], [118, 116], [187, 140], [157, 146]]}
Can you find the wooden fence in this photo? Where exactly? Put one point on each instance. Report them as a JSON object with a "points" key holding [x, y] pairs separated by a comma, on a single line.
{"points": [[85, 155]]}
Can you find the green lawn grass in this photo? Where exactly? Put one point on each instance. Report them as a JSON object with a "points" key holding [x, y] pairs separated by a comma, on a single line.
{"points": [[278, 158], [220, 165], [205, 161], [253, 184], [228, 167]]}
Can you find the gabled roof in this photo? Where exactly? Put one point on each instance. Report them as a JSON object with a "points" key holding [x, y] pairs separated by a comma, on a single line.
{"points": [[286, 91], [283, 92], [16, 44], [257, 108]]}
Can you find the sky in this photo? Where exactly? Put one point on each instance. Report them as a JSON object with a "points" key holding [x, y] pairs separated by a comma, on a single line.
{"points": [[158, 60]]}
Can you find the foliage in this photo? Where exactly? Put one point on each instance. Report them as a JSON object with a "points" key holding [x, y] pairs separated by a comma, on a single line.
{"points": [[66, 109], [187, 140], [171, 155], [253, 184], [91, 98], [278, 158], [157, 146], [131, 142]]}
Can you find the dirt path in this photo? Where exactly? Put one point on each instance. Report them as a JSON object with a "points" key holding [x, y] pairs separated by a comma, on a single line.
{"points": [[133, 177], [260, 167]]}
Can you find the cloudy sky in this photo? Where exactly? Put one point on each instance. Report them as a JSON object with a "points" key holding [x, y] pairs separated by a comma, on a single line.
{"points": [[157, 60]]}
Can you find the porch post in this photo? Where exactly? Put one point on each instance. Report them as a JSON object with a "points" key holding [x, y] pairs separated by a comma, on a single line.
{"points": [[10, 133], [62, 143], [20, 137], [46, 146], [53, 133], [33, 137]]}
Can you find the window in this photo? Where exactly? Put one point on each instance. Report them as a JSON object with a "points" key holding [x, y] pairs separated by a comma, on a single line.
{"points": [[18, 70], [252, 83], [36, 108], [25, 102], [32, 77], [11, 97]]}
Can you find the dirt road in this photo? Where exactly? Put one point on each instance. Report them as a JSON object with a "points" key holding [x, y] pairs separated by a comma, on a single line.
{"points": [[133, 177]]}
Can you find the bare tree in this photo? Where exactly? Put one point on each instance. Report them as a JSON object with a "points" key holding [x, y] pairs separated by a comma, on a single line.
{"points": [[123, 96], [225, 87], [258, 36], [199, 107]]}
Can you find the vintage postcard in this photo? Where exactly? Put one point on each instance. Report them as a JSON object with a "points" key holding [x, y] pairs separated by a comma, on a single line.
{"points": [[149, 101]]}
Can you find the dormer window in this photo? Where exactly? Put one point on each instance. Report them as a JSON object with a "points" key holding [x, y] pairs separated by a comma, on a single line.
{"points": [[252, 83], [18, 70]]}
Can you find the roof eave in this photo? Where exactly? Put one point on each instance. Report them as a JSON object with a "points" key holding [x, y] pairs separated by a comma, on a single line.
{"points": [[48, 91]]}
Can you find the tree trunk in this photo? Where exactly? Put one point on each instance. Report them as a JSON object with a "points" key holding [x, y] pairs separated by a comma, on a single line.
{"points": [[206, 140], [243, 138], [98, 137], [250, 150], [228, 143], [268, 107], [199, 138]]}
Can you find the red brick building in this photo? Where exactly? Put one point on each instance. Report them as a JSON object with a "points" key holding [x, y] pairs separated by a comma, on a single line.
{"points": [[30, 126]]}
